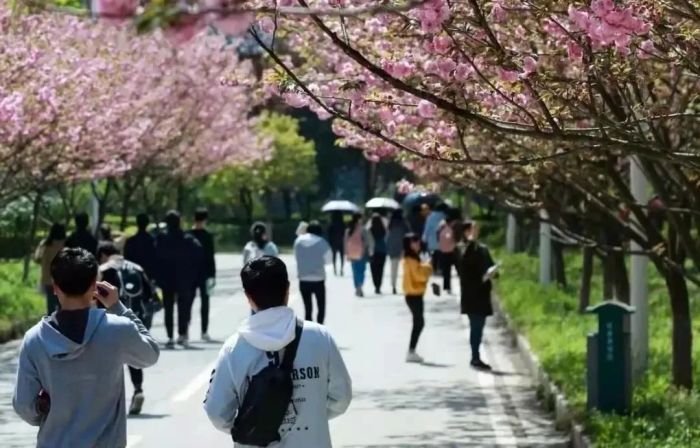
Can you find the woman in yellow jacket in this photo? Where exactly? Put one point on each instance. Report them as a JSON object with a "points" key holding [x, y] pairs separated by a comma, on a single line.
{"points": [[416, 274]]}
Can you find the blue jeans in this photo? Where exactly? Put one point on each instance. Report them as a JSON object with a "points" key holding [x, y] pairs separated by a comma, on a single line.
{"points": [[358, 272], [477, 322]]}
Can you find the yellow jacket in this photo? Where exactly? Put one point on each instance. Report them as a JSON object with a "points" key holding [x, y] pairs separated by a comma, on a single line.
{"points": [[415, 276]]}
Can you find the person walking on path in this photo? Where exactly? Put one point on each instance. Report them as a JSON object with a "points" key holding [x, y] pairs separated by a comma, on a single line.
{"points": [[447, 247], [357, 246], [430, 234], [321, 387], [312, 253], [136, 293], [70, 379], [398, 228], [178, 260], [377, 261], [207, 279], [476, 286], [44, 255], [141, 248], [260, 245], [416, 274], [336, 238], [82, 237]]}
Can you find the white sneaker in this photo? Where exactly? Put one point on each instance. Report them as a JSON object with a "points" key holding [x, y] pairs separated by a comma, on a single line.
{"points": [[206, 337], [414, 357], [170, 344], [183, 340]]}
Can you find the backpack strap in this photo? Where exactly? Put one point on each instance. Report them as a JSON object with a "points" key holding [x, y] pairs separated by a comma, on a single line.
{"points": [[290, 351]]}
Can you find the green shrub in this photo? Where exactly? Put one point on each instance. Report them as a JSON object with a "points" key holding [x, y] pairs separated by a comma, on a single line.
{"points": [[548, 316], [20, 303]]}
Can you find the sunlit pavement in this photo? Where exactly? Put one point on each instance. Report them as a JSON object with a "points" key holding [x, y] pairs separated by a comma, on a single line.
{"points": [[442, 403]]}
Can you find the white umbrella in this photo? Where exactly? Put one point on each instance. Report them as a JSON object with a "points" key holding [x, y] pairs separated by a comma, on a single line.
{"points": [[382, 203], [340, 206]]}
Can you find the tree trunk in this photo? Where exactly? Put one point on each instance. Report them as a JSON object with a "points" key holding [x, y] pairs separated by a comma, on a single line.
{"points": [[558, 267], [180, 199], [31, 235], [608, 277], [682, 339], [246, 197], [621, 278], [126, 202], [287, 199], [584, 298]]}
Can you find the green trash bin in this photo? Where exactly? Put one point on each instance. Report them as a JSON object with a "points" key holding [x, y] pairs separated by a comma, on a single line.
{"points": [[609, 361]]}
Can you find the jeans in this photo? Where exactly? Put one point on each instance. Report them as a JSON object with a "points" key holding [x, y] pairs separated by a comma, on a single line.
{"points": [[310, 289], [477, 322], [447, 260], [376, 266], [358, 272], [394, 271], [415, 304], [184, 299], [204, 308], [51, 300]]}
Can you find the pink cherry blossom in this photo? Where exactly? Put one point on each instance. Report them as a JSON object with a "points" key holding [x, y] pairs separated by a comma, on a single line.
{"points": [[646, 49], [498, 14], [529, 65], [267, 25], [507, 75], [426, 109], [463, 71], [114, 8]]}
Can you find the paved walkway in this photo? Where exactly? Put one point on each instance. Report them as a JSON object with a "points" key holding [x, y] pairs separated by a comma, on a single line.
{"points": [[442, 403]]}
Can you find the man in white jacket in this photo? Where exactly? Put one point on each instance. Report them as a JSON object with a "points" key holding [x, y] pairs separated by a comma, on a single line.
{"points": [[322, 385]]}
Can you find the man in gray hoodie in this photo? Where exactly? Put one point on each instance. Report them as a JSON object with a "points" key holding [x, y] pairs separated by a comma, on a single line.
{"points": [[322, 385], [312, 253], [70, 380]]}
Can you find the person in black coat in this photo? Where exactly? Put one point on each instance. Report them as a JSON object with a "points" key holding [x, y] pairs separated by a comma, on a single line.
{"points": [[141, 248], [178, 265], [207, 278], [82, 237], [476, 288]]}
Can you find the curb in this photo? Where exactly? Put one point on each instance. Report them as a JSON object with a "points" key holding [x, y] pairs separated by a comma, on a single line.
{"points": [[550, 392]]}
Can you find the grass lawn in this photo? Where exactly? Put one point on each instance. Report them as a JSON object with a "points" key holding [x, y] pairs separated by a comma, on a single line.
{"points": [[548, 317], [20, 303]]}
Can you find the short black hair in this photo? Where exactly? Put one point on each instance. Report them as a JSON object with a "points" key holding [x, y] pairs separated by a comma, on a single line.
{"points": [[82, 220], [315, 228], [201, 214], [74, 270], [266, 281], [467, 225], [172, 219], [106, 248], [142, 221]]}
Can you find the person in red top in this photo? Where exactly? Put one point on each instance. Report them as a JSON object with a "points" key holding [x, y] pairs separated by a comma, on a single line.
{"points": [[447, 247]]}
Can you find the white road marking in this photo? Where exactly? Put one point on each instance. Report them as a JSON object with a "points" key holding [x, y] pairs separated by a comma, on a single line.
{"points": [[134, 441], [198, 383]]}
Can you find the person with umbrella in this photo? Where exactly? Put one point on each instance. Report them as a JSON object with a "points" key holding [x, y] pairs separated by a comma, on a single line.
{"points": [[377, 231], [336, 237], [357, 243]]}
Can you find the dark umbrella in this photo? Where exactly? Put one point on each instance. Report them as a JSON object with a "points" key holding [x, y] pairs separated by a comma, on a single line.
{"points": [[419, 198]]}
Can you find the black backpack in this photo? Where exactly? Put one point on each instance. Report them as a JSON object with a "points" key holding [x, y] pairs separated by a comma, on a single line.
{"points": [[267, 400]]}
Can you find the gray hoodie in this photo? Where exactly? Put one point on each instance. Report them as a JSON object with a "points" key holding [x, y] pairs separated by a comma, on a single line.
{"points": [[84, 381], [312, 253], [322, 386]]}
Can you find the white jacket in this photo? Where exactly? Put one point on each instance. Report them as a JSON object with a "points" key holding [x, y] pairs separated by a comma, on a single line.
{"points": [[322, 385]]}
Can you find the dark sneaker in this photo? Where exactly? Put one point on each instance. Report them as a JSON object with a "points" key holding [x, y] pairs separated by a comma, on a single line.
{"points": [[394, 291], [136, 403], [479, 364], [436, 289]]}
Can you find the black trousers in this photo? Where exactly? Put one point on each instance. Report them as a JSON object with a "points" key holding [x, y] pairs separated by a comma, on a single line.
{"points": [[184, 299], [435, 261], [415, 304], [338, 251], [447, 260], [204, 306], [310, 289], [376, 265]]}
